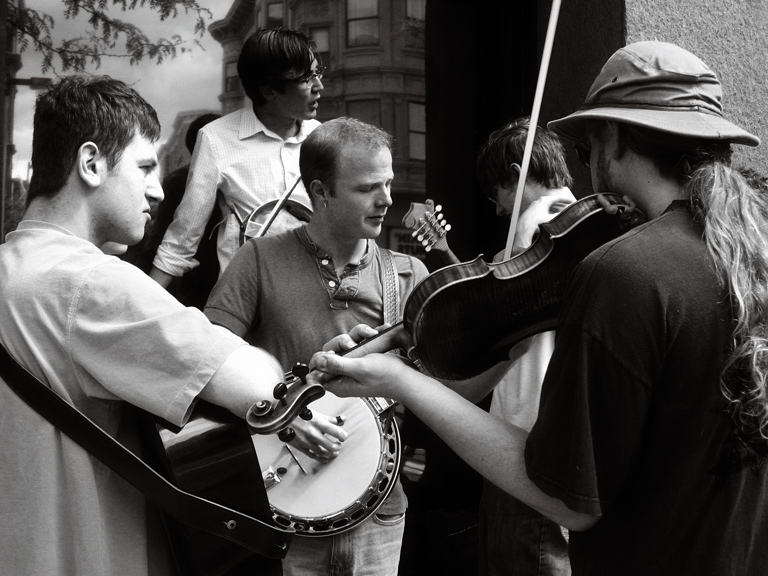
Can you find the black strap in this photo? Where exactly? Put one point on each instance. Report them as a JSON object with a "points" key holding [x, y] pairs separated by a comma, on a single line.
{"points": [[187, 508]]}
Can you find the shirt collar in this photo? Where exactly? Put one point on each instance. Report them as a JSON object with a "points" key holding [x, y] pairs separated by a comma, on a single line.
{"points": [[320, 254], [250, 125]]}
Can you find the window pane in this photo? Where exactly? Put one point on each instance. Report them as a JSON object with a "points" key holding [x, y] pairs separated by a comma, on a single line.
{"points": [[275, 14], [417, 118], [322, 38], [362, 8], [363, 33], [417, 146], [416, 9]]}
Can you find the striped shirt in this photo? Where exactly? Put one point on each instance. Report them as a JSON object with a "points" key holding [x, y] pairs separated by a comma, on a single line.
{"points": [[249, 165]]}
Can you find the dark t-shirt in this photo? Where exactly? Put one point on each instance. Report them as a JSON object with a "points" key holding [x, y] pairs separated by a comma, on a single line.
{"points": [[632, 423]]}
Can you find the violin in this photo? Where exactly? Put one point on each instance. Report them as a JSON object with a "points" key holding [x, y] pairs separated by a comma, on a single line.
{"points": [[463, 319]]}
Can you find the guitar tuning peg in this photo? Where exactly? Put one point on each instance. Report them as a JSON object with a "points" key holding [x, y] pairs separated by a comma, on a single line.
{"points": [[427, 248], [447, 227], [286, 435], [439, 208]]}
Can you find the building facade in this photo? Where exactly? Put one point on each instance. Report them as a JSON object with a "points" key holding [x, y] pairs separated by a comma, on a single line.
{"points": [[374, 54]]}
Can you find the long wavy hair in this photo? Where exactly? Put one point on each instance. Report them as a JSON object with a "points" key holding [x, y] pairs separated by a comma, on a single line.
{"points": [[732, 206], [735, 217]]}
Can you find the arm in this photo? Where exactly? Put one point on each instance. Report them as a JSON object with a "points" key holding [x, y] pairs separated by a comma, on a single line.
{"points": [[162, 278], [478, 387], [247, 376], [175, 255], [492, 447]]}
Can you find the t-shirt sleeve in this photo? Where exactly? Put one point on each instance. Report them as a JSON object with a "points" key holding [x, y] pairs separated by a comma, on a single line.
{"points": [[585, 446], [234, 301], [130, 339]]}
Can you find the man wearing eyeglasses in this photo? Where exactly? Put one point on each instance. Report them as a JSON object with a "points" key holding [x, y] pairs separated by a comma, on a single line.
{"points": [[250, 156]]}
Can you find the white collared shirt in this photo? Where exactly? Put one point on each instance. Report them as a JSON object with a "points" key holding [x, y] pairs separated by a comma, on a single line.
{"points": [[250, 165]]}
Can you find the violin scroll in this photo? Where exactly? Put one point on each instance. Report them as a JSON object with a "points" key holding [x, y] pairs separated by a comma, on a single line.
{"points": [[291, 399]]}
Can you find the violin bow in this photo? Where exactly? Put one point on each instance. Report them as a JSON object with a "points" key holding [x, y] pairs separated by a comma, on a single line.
{"points": [[545, 57], [277, 208]]}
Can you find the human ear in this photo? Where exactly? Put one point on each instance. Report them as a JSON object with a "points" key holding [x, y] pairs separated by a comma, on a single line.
{"points": [[87, 164], [317, 188], [267, 92]]}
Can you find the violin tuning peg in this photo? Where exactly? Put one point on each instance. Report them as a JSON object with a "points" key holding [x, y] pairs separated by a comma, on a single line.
{"points": [[281, 389], [260, 409], [300, 370], [306, 414], [286, 435]]}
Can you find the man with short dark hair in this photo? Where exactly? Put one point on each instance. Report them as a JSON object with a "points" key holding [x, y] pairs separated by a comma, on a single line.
{"points": [[514, 539], [652, 434], [250, 156], [101, 334]]}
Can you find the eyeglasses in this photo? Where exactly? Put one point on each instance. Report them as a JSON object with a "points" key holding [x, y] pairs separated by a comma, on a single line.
{"points": [[584, 152], [316, 73]]}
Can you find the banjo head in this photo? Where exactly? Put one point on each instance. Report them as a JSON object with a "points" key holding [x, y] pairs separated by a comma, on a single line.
{"points": [[329, 498]]}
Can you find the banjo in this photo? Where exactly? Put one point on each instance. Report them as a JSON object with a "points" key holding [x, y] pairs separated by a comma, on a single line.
{"points": [[322, 499]]}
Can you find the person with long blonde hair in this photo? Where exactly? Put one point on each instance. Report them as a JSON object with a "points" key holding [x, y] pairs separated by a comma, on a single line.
{"points": [[652, 431]]}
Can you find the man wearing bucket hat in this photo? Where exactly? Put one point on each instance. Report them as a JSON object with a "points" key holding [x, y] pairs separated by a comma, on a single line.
{"points": [[652, 434]]}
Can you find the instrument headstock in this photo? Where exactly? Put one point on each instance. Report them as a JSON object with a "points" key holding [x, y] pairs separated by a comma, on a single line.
{"points": [[291, 399], [428, 224]]}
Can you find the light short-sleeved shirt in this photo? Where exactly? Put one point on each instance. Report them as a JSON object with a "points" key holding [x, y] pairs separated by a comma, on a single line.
{"points": [[99, 332], [249, 165]]}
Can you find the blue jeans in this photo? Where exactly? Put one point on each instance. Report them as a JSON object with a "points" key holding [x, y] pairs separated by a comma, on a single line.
{"points": [[515, 540], [370, 549]]}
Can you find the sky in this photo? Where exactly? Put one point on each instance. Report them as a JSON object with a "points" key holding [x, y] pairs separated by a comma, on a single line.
{"points": [[187, 82]]}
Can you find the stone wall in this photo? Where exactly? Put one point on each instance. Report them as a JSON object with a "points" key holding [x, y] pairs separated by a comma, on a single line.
{"points": [[731, 37]]}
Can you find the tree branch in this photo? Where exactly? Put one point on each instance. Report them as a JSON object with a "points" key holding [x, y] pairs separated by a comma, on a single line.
{"points": [[105, 34]]}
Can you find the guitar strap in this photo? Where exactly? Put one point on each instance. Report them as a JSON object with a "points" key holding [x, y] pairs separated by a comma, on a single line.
{"points": [[390, 286], [391, 301], [187, 508]]}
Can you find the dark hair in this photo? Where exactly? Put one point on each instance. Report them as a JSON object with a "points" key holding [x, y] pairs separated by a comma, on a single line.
{"points": [[506, 146], [321, 150], [194, 128], [80, 109], [272, 56], [675, 156]]}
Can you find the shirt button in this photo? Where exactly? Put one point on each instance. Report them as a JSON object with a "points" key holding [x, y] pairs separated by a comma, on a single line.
{"points": [[331, 283], [324, 262]]}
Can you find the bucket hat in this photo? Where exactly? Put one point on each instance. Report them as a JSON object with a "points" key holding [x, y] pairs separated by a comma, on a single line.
{"points": [[660, 86]]}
